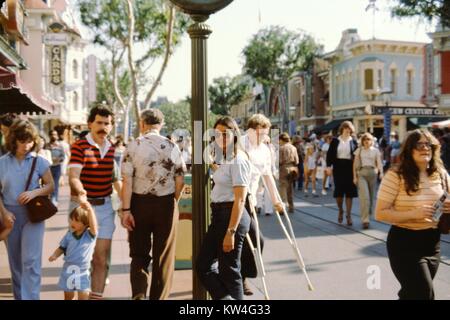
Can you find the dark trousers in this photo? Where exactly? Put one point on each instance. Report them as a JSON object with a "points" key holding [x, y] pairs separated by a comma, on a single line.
{"points": [[56, 174], [157, 216], [301, 177], [220, 272], [414, 257], [248, 264]]}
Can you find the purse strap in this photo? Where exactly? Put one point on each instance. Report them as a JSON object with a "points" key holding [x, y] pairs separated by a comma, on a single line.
{"points": [[31, 173]]}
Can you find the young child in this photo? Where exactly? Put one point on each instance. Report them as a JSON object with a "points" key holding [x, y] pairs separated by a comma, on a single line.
{"points": [[78, 246], [310, 166], [6, 225]]}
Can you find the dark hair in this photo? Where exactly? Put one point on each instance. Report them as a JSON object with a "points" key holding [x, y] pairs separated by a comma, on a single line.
{"points": [[152, 116], [21, 131], [229, 122], [102, 111], [7, 119], [408, 170], [80, 214], [285, 137], [119, 139]]}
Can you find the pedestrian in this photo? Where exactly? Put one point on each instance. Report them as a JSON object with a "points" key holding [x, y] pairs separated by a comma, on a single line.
{"points": [[64, 165], [58, 158], [91, 175], [219, 260], [405, 200], [340, 158], [153, 178], [298, 144], [26, 238], [288, 170], [6, 120], [120, 148], [310, 165], [261, 157], [366, 168], [43, 151], [326, 174], [78, 247]]}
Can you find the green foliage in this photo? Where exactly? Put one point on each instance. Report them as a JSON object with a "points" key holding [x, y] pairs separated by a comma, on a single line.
{"points": [[176, 116], [227, 91], [108, 22], [427, 9], [275, 53], [105, 84]]}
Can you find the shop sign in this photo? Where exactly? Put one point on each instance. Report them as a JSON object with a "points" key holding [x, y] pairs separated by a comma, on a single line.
{"points": [[405, 111], [56, 65]]}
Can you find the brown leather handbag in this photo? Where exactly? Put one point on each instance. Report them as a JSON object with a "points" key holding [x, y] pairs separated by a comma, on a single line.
{"points": [[40, 208]]}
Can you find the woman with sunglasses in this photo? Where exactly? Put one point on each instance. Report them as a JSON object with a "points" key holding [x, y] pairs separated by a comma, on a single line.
{"points": [[218, 262], [405, 200]]}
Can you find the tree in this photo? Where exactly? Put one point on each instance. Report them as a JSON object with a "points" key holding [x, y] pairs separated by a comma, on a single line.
{"points": [[136, 33], [274, 54], [176, 116], [428, 9], [227, 91]]}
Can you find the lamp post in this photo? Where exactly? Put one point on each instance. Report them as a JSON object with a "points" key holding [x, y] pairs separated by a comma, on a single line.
{"points": [[199, 31], [387, 115]]}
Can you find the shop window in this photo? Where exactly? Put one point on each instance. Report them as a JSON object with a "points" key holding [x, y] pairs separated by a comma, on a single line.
{"points": [[368, 79]]}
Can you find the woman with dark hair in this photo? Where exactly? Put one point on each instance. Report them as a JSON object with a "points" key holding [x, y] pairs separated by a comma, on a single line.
{"points": [[405, 200], [340, 156], [26, 239], [219, 260]]}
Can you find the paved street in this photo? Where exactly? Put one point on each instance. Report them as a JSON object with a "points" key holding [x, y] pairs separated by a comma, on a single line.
{"points": [[337, 258]]}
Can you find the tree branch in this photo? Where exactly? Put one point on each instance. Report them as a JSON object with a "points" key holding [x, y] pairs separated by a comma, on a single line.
{"points": [[130, 47], [167, 56], [116, 90]]}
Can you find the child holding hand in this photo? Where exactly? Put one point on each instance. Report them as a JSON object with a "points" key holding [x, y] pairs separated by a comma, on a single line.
{"points": [[78, 247]]}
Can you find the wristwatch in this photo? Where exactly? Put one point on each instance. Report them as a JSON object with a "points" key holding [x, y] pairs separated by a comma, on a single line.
{"points": [[231, 231]]}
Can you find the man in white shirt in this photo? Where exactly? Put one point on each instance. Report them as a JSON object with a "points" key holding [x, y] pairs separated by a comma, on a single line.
{"points": [[261, 160]]}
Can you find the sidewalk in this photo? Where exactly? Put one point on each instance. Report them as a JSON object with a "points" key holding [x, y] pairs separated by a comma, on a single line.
{"points": [[119, 287]]}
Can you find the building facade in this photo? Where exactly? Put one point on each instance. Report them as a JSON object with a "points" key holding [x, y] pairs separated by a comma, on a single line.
{"points": [[59, 69], [371, 79]]}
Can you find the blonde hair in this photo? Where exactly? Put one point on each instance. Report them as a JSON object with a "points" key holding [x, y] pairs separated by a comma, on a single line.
{"points": [[258, 120], [367, 136], [347, 125]]}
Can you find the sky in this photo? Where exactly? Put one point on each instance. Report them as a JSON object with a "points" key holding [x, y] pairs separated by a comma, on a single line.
{"points": [[234, 26]]}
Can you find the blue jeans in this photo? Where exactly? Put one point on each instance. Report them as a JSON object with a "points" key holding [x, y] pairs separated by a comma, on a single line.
{"points": [[300, 176], [56, 174], [220, 272], [25, 254]]}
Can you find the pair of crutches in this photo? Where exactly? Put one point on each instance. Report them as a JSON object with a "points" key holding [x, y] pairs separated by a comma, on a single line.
{"points": [[290, 236]]}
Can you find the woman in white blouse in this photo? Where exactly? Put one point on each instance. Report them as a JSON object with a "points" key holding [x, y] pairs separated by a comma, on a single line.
{"points": [[340, 156], [218, 263], [366, 167]]}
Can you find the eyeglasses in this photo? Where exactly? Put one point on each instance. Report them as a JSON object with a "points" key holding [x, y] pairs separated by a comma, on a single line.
{"points": [[424, 145]]}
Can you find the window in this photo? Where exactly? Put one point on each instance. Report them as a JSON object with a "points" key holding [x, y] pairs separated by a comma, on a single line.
{"points": [[350, 85], [368, 79], [75, 101], [75, 69], [409, 83], [394, 81], [337, 88], [380, 79]]}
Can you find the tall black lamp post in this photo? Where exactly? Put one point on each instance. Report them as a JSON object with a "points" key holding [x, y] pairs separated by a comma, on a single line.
{"points": [[199, 31]]}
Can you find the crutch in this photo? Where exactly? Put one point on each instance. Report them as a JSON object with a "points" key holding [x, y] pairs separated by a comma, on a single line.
{"points": [[291, 238], [257, 251]]}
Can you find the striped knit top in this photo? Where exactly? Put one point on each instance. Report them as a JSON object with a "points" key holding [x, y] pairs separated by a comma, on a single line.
{"points": [[97, 168], [392, 190]]}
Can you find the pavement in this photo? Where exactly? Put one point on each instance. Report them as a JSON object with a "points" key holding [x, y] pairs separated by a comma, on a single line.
{"points": [[345, 263]]}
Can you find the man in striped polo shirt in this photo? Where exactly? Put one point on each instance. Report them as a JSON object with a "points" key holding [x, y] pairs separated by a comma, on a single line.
{"points": [[91, 170]]}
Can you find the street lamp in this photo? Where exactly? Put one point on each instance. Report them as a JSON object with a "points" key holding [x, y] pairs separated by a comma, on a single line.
{"points": [[199, 10], [387, 114]]}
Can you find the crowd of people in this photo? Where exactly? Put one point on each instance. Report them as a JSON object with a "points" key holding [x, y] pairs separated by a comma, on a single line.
{"points": [[254, 173]]}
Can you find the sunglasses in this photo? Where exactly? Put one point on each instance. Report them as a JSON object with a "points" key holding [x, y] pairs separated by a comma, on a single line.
{"points": [[424, 145]]}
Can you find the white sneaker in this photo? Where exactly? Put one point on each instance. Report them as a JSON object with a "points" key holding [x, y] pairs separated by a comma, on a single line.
{"points": [[324, 192], [305, 190]]}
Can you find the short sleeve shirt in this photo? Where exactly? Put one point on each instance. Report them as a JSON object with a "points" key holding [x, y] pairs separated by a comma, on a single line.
{"points": [[14, 175], [153, 162], [233, 173], [78, 250]]}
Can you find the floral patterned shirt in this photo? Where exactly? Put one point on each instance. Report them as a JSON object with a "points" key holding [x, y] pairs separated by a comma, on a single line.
{"points": [[153, 162]]}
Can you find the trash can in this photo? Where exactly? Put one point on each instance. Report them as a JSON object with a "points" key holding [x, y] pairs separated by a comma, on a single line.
{"points": [[183, 251]]}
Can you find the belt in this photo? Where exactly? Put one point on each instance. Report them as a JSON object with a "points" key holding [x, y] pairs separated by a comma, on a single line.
{"points": [[370, 167], [96, 201], [222, 205], [152, 196]]}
